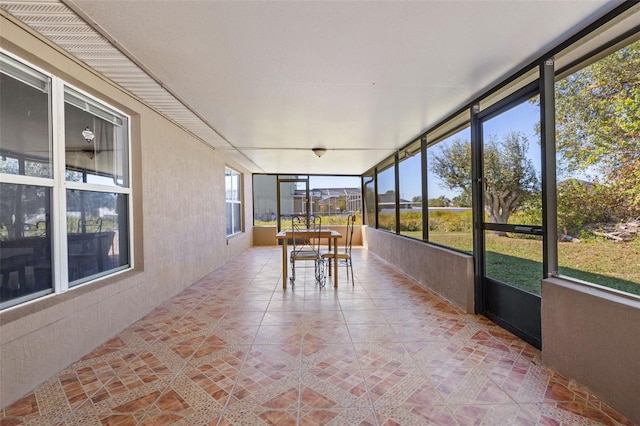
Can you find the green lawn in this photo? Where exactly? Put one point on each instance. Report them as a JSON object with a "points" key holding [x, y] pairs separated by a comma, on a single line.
{"points": [[519, 261]]}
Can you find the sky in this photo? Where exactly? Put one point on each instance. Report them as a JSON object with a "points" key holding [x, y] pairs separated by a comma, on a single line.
{"points": [[522, 118]]}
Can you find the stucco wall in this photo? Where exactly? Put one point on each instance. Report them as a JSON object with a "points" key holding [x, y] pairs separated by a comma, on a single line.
{"points": [[447, 272], [592, 335], [178, 227]]}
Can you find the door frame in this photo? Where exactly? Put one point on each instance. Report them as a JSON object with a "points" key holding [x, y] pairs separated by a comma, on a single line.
{"points": [[306, 201], [510, 307]]}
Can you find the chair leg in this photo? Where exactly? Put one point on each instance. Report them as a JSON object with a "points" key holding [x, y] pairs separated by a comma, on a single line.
{"points": [[321, 272], [352, 276], [292, 278]]}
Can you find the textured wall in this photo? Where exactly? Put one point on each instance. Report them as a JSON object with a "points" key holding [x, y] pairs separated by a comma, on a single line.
{"points": [[179, 235], [447, 272], [593, 336]]}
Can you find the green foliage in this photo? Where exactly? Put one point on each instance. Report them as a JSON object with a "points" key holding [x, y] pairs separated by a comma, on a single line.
{"points": [[387, 221], [410, 221], [452, 164], [448, 221], [441, 201], [530, 213], [598, 124], [326, 220], [510, 176], [581, 203]]}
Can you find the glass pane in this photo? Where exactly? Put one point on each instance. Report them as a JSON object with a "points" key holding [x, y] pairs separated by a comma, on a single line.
{"points": [[512, 170], [515, 260], [232, 185], [237, 218], [449, 189], [387, 199], [598, 171], [410, 175], [97, 234], [293, 197], [96, 148], [25, 141], [265, 202], [25, 242], [334, 198], [229, 216], [370, 200]]}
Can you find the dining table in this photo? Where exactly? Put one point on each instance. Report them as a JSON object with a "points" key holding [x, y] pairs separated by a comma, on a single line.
{"points": [[331, 235]]}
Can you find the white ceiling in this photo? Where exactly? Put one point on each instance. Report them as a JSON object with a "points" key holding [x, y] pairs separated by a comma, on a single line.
{"points": [[275, 79]]}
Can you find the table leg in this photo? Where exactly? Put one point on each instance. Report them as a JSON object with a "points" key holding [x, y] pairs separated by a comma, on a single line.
{"points": [[284, 264], [335, 262], [329, 252]]}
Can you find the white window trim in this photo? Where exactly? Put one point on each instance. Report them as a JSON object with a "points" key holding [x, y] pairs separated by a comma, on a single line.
{"points": [[232, 201], [59, 185]]}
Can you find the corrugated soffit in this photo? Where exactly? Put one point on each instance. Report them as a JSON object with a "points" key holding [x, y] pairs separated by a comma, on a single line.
{"points": [[58, 23]]}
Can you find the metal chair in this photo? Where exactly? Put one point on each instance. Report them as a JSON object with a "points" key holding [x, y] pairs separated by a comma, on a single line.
{"points": [[344, 257], [306, 247]]}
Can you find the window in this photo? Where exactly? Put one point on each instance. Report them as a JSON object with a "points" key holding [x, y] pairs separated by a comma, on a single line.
{"points": [[598, 170], [83, 196], [233, 197], [265, 200], [387, 199], [97, 182], [410, 183], [334, 198], [369, 190], [449, 216]]}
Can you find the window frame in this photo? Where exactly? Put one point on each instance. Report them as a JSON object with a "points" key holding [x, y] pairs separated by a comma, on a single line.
{"points": [[58, 185], [237, 201], [452, 128], [413, 152]]}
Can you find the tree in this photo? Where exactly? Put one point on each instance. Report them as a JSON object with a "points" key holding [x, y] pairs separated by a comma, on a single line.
{"points": [[509, 175], [598, 124], [441, 201]]}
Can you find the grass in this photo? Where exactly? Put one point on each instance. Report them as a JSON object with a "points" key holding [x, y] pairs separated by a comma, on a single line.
{"points": [[519, 261]]}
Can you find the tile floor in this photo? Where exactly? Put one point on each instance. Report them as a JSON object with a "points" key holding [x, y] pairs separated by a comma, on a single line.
{"points": [[235, 349]]}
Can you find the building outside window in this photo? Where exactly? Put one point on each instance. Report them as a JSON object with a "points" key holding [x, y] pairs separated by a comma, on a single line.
{"points": [[233, 198], [333, 198], [70, 211]]}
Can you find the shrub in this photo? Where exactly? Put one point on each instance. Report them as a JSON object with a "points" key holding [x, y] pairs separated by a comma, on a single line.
{"points": [[450, 221], [581, 203], [411, 221]]}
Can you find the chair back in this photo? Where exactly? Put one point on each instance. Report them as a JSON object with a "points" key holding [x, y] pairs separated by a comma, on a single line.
{"points": [[299, 223], [90, 226], [348, 240]]}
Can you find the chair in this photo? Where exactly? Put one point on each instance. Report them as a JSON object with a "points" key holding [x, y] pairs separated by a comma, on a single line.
{"points": [[306, 247], [345, 256], [90, 225]]}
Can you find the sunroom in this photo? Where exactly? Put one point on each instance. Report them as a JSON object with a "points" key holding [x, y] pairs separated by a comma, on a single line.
{"points": [[151, 151]]}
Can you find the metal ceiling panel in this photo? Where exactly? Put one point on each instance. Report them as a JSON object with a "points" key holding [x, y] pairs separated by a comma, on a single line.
{"points": [[64, 27]]}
